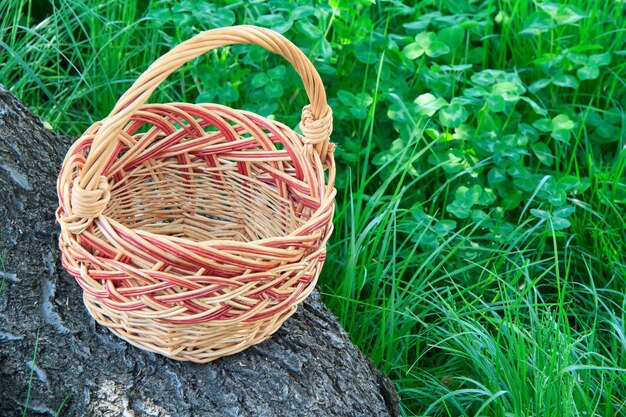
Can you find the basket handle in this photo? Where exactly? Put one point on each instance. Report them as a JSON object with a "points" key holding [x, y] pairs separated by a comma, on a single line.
{"points": [[89, 190]]}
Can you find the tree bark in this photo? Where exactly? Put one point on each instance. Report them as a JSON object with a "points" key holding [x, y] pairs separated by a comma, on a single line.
{"points": [[308, 368]]}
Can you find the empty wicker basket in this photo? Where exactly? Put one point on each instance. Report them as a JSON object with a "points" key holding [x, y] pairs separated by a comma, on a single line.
{"points": [[195, 230]]}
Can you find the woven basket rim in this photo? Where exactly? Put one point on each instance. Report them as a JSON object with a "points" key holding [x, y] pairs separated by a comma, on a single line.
{"points": [[313, 218]]}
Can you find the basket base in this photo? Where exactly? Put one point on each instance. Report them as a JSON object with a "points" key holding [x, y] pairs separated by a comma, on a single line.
{"points": [[200, 343]]}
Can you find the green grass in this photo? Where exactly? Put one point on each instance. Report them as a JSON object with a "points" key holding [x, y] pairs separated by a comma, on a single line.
{"points": [[478, 256], [60, 409], [30, 378]]}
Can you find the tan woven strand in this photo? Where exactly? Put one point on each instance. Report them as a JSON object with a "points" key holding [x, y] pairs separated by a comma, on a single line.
{"points": [[195, 230], [90, 203], [317, 130]]}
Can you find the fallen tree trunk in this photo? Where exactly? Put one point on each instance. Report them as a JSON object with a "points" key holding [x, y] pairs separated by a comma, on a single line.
{"points": [[308, 368]]}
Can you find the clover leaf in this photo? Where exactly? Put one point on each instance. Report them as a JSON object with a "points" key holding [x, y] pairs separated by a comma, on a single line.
{"points": [[425, 43]]}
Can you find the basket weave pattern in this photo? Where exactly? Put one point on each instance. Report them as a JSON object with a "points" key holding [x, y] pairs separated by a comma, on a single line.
{"points": [[195, 230]]}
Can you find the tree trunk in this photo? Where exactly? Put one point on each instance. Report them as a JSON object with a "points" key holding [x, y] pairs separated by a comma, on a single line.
{"points": [[308, 368]]}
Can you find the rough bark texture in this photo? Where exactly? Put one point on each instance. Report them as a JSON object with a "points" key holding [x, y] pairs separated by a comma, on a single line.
{"points": [[308, 368]]}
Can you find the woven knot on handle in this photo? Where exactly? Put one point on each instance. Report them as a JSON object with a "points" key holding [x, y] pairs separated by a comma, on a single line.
{"points": [[86, 205], [317, 131]]}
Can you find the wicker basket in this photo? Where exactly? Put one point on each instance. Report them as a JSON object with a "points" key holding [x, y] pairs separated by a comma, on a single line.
{"points": [[195, 230]]}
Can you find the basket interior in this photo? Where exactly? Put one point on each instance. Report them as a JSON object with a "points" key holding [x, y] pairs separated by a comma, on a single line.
{"points": [[210, 173]]}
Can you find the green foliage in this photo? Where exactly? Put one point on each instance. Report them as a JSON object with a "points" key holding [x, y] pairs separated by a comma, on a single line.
{"points": [[30, 378], [478, 255]]}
